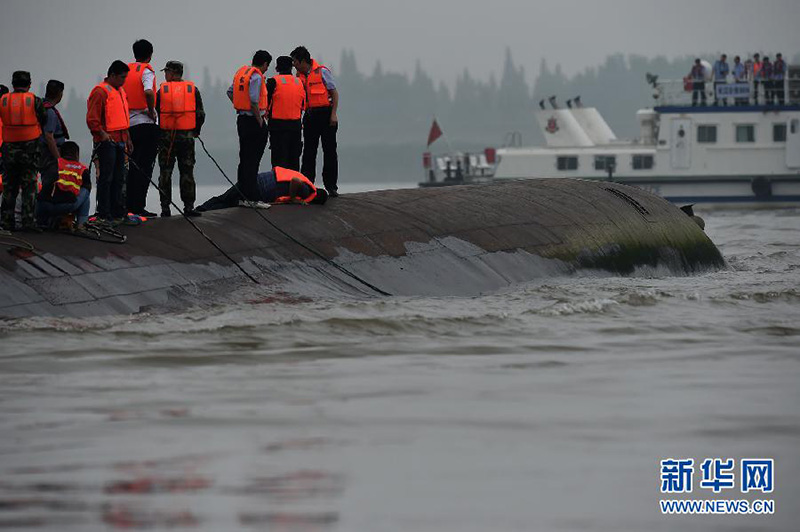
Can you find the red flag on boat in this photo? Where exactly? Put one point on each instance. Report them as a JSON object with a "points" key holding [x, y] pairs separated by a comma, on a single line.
{"points": [[435, 132]]}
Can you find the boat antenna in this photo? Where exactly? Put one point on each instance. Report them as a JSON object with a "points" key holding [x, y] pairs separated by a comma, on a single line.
{"points": [[287, 235], [552, 101]]}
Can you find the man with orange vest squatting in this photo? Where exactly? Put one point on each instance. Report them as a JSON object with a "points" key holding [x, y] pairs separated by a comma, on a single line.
{"points": [[23, 116], [181, 116], [279, 185], [320, 121], [108, 120], [140, 88], [248, 92], [68, 193], [287, 96]]}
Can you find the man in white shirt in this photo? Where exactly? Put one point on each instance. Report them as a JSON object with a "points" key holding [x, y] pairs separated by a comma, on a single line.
{"points": [[140, 88]]}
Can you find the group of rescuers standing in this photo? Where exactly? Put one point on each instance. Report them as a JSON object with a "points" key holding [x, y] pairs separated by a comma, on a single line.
{"points": [[132, 123]]}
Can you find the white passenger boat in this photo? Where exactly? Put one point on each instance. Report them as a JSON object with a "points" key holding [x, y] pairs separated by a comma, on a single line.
{"points": [[739, 154]]}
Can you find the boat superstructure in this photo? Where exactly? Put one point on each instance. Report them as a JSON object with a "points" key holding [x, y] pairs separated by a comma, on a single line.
{"points": [[735, 154]]}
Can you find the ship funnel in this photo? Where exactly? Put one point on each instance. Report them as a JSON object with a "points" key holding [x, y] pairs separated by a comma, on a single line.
{"points": [[552, 101]]}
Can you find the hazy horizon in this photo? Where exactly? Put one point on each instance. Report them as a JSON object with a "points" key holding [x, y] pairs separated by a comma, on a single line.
{"points": [[446, 37]]}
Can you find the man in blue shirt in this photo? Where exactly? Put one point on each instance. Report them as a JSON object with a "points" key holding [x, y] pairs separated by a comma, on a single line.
{"points": [[251, 125], [720, 77], [54, 131]]}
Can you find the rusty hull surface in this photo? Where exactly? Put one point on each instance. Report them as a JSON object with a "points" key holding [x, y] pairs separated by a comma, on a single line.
{"points": [[462, 240]]}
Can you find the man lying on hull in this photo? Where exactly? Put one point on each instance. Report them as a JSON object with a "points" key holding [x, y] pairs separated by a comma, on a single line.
{"points": [[279, 185]]}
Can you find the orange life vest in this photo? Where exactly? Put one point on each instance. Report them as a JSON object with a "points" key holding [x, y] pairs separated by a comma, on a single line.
{"points": [[289, 98], [316, 92], [241, 89], [18, 115], [70, 176], [756, 69], [283, 175], [117, 113], [178, 103], [133, 85]]}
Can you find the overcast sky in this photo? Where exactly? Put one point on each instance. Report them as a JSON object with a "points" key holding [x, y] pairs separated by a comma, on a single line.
{"points": [[75, 40]]}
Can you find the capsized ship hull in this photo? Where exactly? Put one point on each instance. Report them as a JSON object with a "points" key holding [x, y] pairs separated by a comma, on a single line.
{"points": [[461, 241]]}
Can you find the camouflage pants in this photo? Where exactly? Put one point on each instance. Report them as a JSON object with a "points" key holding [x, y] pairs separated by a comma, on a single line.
{"points": [[21, 163], [176, 146]]}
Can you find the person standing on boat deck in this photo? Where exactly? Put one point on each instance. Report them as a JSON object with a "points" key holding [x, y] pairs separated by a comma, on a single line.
{"points": [[320, 122], [739, 76], [755, 74], [698, 77], [22, 114], [720, 73], [248, 92], [54, 132], [778, 75], [181, 116], [287, 99], [766, 80], [107, 117], [140, 88]]}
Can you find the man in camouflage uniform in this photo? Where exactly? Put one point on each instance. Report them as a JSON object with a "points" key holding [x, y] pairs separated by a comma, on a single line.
{"points": [[21, 160], [177, 144]]}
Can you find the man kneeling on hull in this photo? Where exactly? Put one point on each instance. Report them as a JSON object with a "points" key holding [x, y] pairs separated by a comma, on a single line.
{"points": [[280, 185]]}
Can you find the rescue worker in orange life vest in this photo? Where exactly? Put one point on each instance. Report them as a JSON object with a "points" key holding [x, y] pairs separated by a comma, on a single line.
{"points": [[181, 116], [140, 88], [248, 93], [320, 121], [108, 120], [68, 193], [279, 185], [23, 116], [287, 97]]}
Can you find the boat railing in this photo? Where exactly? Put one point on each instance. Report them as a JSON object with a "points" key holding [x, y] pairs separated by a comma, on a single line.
{"points": [[680, 92]]}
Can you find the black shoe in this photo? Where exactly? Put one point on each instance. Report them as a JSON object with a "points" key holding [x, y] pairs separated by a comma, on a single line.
{"points": [[166, 213], [146, 214], [192, 213], [333, 194]]}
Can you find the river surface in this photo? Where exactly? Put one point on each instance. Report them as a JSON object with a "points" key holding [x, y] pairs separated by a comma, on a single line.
{"points": [[547, 406]]}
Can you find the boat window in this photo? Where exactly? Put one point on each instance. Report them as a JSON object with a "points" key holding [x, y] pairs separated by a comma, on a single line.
{"points": [[745, 133], [604, 162], [567, 163], [778, 132], [642, 162], [707, 134]]}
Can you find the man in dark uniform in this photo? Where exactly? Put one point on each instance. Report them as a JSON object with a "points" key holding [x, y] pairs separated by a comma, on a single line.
{"points": [[177, 140], [21, 157], [321, 121]]}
